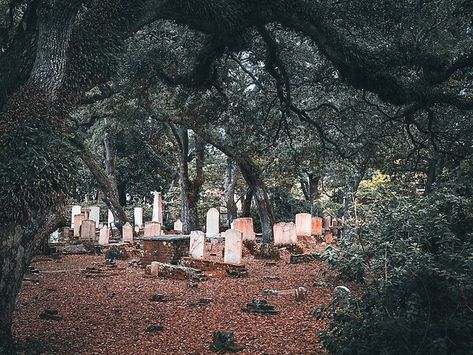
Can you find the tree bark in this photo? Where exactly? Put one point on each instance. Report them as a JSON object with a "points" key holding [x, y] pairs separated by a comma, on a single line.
{"points": [[246, 204], [106, 184], [229, 184]]}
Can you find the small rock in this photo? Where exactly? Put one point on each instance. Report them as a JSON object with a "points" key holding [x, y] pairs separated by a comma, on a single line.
{"points": [[154, 328], [223, 342], [158, 298], [51, 314]]}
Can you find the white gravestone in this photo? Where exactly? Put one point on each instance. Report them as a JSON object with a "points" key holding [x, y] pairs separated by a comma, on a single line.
{"points": [[233, 247], [197, 245], [87, 229], [304, 224], [284, 233], [104, 236], [245, 225], [75, 210], [94, 215], [78, 218], [158, 208], [127, 232], [152, 229], [138, 216], [178, 226], [110, 219], [213, 222]]}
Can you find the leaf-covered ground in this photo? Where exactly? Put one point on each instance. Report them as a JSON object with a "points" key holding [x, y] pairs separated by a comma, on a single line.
{"points": [[110, 314]]}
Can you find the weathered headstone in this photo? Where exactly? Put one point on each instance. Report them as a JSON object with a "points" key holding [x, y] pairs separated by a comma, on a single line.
{"points": [[197, 245], [316, 226], [154, 268], [327, 222], [78, 218], [233, 247], [152, 229], [303, 224], [284, 233], [329, 238], [94, 215], [104, 236], [75, 210], [158, 208], [127, 232], [110, 219], [87, 229], [138, 216], [213, 222], [245, 225], [178, 225]]}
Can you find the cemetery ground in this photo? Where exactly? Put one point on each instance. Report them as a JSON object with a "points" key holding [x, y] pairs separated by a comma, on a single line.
{"points": [[112, 312]]}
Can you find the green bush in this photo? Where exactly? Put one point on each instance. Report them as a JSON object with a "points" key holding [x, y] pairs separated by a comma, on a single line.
{"points": [[415, 257]]}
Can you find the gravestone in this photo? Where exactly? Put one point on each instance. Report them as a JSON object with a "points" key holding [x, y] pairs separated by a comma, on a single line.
{"points": [[104, 236], [78, 218], [152, 229], [316, 226], [245, 226], [233, 247], [138, 216], [154, 268], [158, 208], [178, 225], [213, 222], [303, 224], [87, 230], [197, 245], [127, 232], [75, 210], [110, 219], [327, 222], [284, 233], [329, 238], [94, 215]]}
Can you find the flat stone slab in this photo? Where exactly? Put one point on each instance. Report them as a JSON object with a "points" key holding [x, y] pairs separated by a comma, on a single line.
{"points": [[166, 238]]}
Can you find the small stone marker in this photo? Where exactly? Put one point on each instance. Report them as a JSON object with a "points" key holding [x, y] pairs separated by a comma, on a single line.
{"points": [[327, 222], [78, 218], [127, 232], [260, 306], [233, 247], [104, 236], [197, 245], [329, 238], [152, 229], [316, 226], [178, 225], [224, 342], [154, 267], [75, 210], [213, 222], [138, 216], [245, 225], [303, 224], [94, 215], [87, 230], [158, 207], [110, 219]]}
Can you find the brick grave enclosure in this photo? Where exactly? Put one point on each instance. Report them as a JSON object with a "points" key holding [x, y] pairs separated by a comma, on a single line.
{"points": [[165, 249]]}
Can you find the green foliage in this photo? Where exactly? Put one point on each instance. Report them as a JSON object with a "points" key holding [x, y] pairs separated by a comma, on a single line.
{"points": [[416, 257], [37, 169]]}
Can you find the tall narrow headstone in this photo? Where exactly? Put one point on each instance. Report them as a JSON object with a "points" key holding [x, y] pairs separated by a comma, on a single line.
{"points": [[94, 215], [127, 232], [87, 230], [152, 229], [158, 208], [138, 216], [178, 225], [104, 236], [245, 225], [197, 245], [78, 218], [213, 222], [233, 247], [75, 210], [303, 224], [316, 226], [110, 219]]}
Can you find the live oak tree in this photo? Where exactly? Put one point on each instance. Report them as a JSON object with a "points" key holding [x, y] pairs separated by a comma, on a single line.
{"points": [[412, 54]]}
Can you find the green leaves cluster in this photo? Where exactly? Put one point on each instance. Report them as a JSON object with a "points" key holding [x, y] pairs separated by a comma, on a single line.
{"points": [[415, 256]]}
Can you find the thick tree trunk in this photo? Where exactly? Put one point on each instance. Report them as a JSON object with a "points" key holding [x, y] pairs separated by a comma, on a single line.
{"points": [[106, 184], [190, 189], [229, 184], [246, 204], [18, 244]]}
